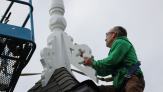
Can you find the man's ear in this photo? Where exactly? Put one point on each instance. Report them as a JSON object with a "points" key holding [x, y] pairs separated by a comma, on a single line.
{"points": [[114, 35]]}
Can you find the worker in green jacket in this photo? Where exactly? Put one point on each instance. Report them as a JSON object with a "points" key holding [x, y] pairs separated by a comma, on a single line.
{"points": [[121, 59]]}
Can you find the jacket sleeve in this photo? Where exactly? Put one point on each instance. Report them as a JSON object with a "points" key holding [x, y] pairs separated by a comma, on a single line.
{"points": [[116, 55]]}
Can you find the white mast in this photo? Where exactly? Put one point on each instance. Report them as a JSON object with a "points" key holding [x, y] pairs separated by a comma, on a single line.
{"points": [[60, 50]]}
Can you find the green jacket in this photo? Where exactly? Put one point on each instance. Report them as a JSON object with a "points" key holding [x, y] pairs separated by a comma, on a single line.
{"points": [[121, 57]]}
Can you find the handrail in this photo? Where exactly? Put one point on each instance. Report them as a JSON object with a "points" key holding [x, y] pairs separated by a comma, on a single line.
{"points": [[31, 20], [21, 2]]}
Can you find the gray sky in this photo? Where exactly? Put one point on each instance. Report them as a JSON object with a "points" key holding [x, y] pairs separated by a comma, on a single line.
{"points": [[89, 20]]}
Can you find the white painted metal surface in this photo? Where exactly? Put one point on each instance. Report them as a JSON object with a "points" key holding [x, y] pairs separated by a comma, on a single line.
{"points": [[60, 50]]}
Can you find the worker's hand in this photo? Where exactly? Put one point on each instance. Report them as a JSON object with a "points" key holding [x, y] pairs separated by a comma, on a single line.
{"points": [[87, 61]]}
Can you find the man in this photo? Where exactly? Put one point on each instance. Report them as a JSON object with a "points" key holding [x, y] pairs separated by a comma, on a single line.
{"points": [[121, 62]]}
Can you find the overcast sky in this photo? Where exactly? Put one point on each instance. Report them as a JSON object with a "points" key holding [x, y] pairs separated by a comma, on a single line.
{"points": [[87, 23]]}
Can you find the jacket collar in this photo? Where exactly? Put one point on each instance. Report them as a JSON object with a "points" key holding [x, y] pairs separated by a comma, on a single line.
{"points": [[122, 37]]}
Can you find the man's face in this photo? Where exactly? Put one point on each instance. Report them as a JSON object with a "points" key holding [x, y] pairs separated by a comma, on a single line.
{"points": [[110, 36]]}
